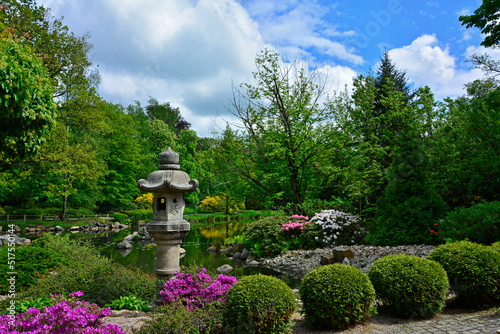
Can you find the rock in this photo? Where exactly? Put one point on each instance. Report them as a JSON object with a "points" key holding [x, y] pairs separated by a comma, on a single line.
{"points": [[212, 249], [124, 244], [42, 228], [244, 254], [143, 232], [224, 269], [130, 322], [237, 256], [75, 228], [327, 259], [251, 257], [58, 228], [182, 253], [346, 261], [253, 263], [340, 253]]}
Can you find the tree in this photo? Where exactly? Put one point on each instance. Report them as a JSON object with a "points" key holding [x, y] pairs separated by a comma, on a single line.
{"points": [[486, 18], [168, 114], [27, 112], [65, 55], [285, 128], [410, 205]]}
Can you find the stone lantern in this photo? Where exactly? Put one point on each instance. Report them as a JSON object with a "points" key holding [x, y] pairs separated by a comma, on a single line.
{"points": [[168, 227]]}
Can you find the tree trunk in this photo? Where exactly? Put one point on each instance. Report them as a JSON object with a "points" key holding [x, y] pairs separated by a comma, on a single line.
{"points": [[65, 205]]}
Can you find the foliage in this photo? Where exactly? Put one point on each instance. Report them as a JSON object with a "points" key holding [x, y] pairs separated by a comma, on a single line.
{"points": [[473, 271], [31, 263], [496, 246], [122, 218], [336, 296], [39, 303], [409, 286], [221, 203], [171, 116], [65, 317], [142, 214], [259, 304], [480, 223], [195, 290], [176, 318], [145, 201], [485, 18], [338, 228], [285, 128], [299, 233], [27, 112], [129, 302], [98, 277], [264, 236]]}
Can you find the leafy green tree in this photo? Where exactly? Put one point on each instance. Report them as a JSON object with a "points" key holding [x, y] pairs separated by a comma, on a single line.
{"points": [[285, 126], [485, 18], [27, 112], [121, 152], [410, 205], [168, 114]]}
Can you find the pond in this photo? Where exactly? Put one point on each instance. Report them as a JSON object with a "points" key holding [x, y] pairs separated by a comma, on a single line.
{"points": [[199, 239]]}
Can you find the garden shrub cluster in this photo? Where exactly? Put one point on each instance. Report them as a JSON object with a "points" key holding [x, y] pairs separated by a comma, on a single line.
{"points": [[65, 316], [338, 228], [268, 236], [122, 218], [409, 286], [31, 263], [336, 296], [221, 203], [479, 223], [473, 271], [98, 277], [259, 304]]}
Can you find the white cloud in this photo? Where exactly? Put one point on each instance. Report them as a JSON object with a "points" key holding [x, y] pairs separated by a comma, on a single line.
{"points": [[429, 64]]}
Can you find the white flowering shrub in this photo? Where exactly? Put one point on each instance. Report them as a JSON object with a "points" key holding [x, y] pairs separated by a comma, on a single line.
{"points": [[337, 228]]}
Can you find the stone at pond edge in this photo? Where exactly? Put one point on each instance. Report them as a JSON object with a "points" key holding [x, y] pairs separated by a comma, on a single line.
{"points": [[237, 256], [244, 254], [212, 249], [124, 244], [224, 269]]}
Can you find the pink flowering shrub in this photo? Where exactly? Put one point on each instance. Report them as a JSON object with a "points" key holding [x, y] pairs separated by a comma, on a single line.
{"points": [[65, 316], [295, 225], [196, 289]]}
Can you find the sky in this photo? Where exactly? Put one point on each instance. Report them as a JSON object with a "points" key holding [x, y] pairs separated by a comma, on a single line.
{"points": [[192, 52]]}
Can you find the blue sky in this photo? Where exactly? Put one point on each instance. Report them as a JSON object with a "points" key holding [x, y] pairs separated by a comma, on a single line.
{"points": [[190, 52]]}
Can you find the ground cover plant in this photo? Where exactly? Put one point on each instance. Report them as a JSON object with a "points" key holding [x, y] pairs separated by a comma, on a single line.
{"points": [[473, 272], [63, 316], [338, 228], [336, 296], [409, 286]]}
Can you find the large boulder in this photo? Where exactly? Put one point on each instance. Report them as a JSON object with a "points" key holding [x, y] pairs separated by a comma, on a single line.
{"points": [[124, 244]]}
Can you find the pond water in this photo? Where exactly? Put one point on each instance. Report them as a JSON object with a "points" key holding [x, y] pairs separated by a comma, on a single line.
{"points": [[196, 244]]}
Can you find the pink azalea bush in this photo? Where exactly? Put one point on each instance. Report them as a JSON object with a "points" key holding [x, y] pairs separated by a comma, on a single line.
{"points": [[196, 289], [295, 225], [66, 316]]}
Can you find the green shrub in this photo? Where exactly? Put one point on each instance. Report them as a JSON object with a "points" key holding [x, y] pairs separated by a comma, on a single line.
{"points": [[142, 214], [259, 304], [473, 271], [99, 278], [480, 223], [129, 303], [122, 218], [264, 236], [410, 286], [496, 246], [336, 296], [177, 319], [30, 263]]}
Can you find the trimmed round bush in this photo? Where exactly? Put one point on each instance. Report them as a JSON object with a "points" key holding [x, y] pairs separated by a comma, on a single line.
{"points": [[336, 296], [496, 246], [410, 286], [259, 304], [473, 271]]}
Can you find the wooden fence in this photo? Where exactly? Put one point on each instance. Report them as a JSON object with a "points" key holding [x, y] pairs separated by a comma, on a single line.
{"points": [[14, 218]]}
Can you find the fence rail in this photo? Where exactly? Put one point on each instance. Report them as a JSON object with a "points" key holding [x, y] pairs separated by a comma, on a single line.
{"points": [[14, 218]]}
